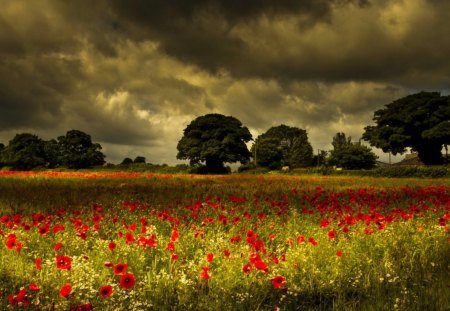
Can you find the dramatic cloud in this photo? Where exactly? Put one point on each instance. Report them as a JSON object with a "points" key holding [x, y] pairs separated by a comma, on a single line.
{"points": [[134, 74]]}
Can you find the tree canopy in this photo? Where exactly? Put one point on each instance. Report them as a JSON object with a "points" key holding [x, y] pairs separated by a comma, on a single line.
{"points": [[76, 150], [283, 146], [214, 139], [24, 152], [420, 121], [352, 156]]}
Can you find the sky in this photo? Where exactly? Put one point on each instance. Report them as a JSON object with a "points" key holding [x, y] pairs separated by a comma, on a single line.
{"points": [[133, 74]]}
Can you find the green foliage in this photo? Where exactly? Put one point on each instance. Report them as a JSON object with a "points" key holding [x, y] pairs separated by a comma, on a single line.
{"points": [[214, 139], [352, 156], [139, 159], [340, 141], [76, 150], [283, 146], [126, 161], [420, 121], [24, 152]]}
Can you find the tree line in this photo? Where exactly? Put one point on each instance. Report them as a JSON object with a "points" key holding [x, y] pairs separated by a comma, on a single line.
{"points": [[419, 121]]}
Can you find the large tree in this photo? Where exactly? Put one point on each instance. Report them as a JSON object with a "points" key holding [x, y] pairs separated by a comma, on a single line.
{"points": [[352, 156], [214, 139], [76, 150], [283, 145], [420, 121], [25, 152]]}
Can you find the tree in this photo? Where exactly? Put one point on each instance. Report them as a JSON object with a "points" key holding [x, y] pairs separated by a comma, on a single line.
{"points": [[76, 150], [420, 121], [25, 152], [339, 141], [139, 159], [283, 145], [126, 161], [214, 139], [352, 156]]}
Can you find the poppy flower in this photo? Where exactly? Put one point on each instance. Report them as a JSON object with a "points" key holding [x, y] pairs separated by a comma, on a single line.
{"points": [[57, 246], [300, 239], [127, 281], [63, 262], [339, 253], [108, 264], [209, 257], [261, 265], [106, 291], [312, 241], [112, 246], [247, 268], [34, 287], [204, 273], [38, 263], [65, 290], [332, 234], [174, 257], [120, 268], [278, 281], [170, 247], [226, 253], [83, 307]]}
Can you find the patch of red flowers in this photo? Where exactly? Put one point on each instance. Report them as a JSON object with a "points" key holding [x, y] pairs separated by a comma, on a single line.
{"points": [[127, 281]]}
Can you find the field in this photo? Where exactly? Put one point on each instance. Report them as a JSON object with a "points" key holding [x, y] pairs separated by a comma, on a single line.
{"points": [[112, 241]]}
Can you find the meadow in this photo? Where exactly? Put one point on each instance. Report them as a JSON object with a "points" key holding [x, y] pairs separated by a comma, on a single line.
{"points": [[118, 241]]}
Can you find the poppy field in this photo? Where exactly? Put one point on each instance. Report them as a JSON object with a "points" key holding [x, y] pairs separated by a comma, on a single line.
{"points": [[113, 241]]}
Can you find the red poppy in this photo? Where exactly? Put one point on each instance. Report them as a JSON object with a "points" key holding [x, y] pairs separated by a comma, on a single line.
{"points": [[312, 241], [278, 281], [170, 247], [226, 253], [34, 287], [44, 229], [106, 291], [108, 264], [174, 257], [38, 263], [300, 239], [57, 246], [332, 234], [127, 281], [58, 228], [112, 246], [63, 262], [175, 235], [120, 268], [261, 265], [247, 268], [339, 253], [83, 307], [65, 290], [209, 257], [204, 273], [11, 240]]}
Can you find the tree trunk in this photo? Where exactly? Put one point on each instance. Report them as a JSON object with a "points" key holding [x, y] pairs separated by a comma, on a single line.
{"points": [[430, 154]]}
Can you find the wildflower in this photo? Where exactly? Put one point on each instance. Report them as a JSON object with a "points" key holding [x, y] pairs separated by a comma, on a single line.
{"points": [[127, 281], [209, 257], [278, 281], [204, 273], [63, 262], [247, 268], [332, 234], [170, 247], [57, 246], [174, 257], [226, 253], [339, 253], [38, 263], [120, 268], [112, 246], [312, 241], [34, 287], [65, 290], [108, 264], [106, 291]]}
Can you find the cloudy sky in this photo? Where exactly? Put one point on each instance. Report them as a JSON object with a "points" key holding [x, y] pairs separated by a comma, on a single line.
{"points": [[133, 74]]}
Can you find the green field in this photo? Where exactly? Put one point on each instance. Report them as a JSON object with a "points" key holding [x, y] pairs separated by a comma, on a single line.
{"points": [[235, 242]]}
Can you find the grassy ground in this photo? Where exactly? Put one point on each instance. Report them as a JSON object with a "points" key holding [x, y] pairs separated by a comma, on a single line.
{"points": [[234, 242]]}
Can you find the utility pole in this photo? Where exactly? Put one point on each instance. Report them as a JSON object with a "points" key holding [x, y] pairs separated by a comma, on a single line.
{"points": [[254, 158]]}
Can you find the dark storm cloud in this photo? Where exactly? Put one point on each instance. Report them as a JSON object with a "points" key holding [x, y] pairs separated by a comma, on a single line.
{"points": [[133, 74]]}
